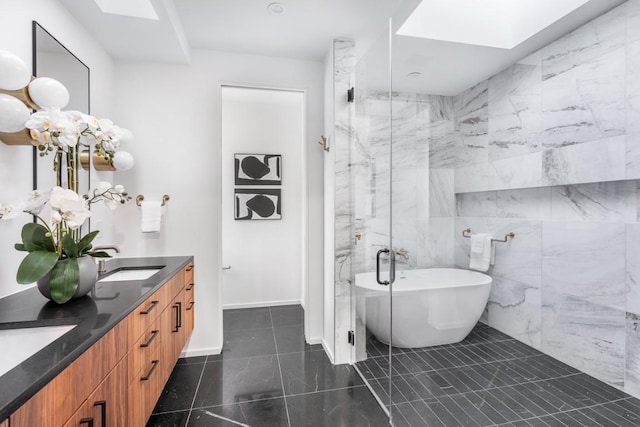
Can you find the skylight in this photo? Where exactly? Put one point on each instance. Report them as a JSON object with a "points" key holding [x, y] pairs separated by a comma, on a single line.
{"points": [[494, 23], [134, 8]]}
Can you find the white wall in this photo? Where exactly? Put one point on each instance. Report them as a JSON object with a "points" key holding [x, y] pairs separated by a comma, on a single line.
{"points": [[15, 162], [265, 255], [174, 111]]}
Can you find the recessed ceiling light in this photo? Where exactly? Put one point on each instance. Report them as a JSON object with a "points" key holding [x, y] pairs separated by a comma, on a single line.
{"points": [[414, 74], [276, 8], [134, 8]]}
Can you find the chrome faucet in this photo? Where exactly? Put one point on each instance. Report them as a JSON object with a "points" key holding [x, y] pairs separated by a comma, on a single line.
{"points": [[102, 267]]}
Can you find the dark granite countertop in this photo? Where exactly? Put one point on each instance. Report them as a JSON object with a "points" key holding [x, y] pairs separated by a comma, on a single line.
{"points": [[95, 315]]}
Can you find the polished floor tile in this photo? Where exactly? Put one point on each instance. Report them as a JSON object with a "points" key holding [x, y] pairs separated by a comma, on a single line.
{"points": [[287, 315], [181, 388], [248, 343], [263, 413], [312, 371], [290, 339], [170, 419], [349, 407], [239, 380], [246, 318]]}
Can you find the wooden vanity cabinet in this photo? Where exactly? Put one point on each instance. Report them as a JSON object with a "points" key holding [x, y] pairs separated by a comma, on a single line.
{"points": [[118, 380]]}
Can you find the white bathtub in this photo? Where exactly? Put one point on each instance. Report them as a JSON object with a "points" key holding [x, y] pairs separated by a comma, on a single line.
{"points": [[430, 307]]}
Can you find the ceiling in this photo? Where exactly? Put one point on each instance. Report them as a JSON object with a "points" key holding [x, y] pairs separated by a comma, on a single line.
{"points": [[305, 30]]}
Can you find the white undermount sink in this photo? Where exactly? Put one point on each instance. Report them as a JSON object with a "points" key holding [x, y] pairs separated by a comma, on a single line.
{"points": [[131, 274], [21, 343]]}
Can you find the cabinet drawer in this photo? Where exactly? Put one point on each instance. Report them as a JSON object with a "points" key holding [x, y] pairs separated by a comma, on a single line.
{"points": [[140, 354], [146, 313], [143, 392], [189, 276]]}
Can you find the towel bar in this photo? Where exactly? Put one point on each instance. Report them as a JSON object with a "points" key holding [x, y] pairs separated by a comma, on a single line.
{"points": [[467, 233], [140, 198]]}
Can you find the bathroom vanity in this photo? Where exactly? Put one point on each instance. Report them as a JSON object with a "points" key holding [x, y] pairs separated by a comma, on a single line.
{"points": [[110, 364]]}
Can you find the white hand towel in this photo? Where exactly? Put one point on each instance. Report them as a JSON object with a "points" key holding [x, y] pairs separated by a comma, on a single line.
{"points": [[151, 214], [481, 252]]}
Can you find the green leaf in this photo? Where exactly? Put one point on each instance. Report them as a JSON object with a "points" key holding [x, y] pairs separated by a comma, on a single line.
{"points": [[69, 246], [20, 247], [64, 280], [85, 243], [99, 254], [34, 238], [35, 265]]}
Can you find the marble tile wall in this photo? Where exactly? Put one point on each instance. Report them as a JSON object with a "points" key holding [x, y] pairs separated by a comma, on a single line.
{"points": [[574, 102], [569, 282]]}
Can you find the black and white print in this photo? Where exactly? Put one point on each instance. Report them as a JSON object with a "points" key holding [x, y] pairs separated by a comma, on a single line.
{"points": [[258, 169], [257, 204]]}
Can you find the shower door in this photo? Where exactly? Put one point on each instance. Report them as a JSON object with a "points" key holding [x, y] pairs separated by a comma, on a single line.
{"points": [[372, 176]]}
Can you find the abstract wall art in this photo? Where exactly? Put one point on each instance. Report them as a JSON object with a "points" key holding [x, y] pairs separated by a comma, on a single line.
{"points": [[258, 169], [257, 204]]}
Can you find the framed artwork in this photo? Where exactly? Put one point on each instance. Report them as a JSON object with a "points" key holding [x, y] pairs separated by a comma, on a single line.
{"points": [[257, 203], [258, 169]]}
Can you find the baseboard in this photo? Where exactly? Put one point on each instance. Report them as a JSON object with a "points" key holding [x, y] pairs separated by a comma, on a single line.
{"points": [[328, 351], [200, 352], [261, 304], [313, 341]]}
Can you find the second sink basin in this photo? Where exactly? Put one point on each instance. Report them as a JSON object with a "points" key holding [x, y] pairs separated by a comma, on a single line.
{"points": [[131, 274], [20, 344]]}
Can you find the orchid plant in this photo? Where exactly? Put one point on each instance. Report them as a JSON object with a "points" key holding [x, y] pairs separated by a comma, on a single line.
{"points": [[54, 247]]}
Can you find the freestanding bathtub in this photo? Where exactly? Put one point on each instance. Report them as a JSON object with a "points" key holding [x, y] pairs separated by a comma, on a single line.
{"points": [[430, 307]]}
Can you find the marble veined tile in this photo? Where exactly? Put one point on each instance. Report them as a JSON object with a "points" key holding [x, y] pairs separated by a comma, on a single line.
{"points": [[532, 203], [586, 44], [481, 204], [633, 268], [516, 172], [604, 201], [587, 336], [442, 199], [435, 243], [633, 20], [519, 259], [633, 155], [515, 309], [632, 369], [443, 140], [472, 121], [585, 260], [586, 102], [633, 86], [568, 165], [515, 104], [471, 178]]}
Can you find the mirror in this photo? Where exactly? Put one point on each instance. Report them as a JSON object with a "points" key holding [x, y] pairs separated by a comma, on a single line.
{"points": [[52, 59]]}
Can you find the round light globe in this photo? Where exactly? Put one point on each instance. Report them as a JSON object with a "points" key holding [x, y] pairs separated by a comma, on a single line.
{"points": [[14, 73], [123, 160], [48, 92], [13, 114], [126, 136]]}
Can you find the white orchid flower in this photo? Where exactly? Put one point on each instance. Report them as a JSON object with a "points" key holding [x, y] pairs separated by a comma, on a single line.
{"points": [[36, 201], [10, 210], [119, 189]]}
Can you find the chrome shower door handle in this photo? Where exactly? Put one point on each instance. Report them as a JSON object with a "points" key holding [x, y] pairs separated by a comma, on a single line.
{"points": [[228, 267], [380, 252]]}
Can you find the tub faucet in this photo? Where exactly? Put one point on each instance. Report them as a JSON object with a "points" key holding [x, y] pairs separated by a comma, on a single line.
{"points": [[403, 253], [102, 267]]}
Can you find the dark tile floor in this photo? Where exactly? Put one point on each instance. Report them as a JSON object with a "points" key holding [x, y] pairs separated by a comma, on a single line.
{"points": [[266, 376], [490, 379]]}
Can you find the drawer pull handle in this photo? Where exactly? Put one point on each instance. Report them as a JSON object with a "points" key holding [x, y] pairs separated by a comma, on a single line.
{"points": [[87, 421], [153, 368], [190, 305], [190, 286], [151, 307], [190, 268], [176, 328], [103, 411], [154, 334]]}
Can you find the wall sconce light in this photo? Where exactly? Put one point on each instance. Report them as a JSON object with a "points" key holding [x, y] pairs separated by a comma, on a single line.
{"points": [[14, 73], [123, 160], [48, 92], [13, 114], [98, 161]]}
